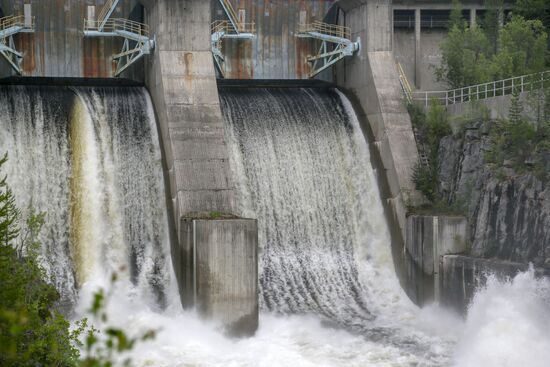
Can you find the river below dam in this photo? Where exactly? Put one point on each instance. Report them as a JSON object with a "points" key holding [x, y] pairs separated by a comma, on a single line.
{"points": [[329, 295]]}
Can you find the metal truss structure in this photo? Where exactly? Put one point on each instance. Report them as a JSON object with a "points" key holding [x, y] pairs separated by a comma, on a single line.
{"points": [[9, 27], [335, 44], [231, 28], [137, 40]]}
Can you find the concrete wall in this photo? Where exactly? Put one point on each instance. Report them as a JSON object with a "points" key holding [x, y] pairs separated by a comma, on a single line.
{"points": [[372, 76], [219, 265], [276, 53], [215, 261], [499, 107], [430, 56], [58, 47], [428, 238], [182, 83]]}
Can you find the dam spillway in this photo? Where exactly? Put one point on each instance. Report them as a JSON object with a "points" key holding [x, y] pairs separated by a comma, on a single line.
{"points": [[302, 167], [90, 159]]}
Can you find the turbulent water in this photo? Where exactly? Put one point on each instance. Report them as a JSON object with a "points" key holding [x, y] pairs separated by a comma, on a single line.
{"points": [[89, 158]]}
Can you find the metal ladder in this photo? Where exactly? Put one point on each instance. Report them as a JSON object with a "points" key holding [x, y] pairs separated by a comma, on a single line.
{"points": [[408, 93], [339, 38], [231, 28], [106, 12], [137, 39], [9, 27]]}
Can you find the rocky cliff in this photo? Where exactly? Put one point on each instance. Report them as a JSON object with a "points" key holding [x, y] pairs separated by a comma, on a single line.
{"points": [[508, 213]]}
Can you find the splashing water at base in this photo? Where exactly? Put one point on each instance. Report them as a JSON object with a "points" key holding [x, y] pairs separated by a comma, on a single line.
{"points": [[507, 325]]}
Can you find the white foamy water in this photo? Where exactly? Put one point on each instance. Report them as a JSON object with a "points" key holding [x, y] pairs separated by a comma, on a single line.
{"points": [[329, 293]]}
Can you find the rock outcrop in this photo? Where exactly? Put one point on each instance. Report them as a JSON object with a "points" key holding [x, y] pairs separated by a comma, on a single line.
{"points": [[509, 214]]}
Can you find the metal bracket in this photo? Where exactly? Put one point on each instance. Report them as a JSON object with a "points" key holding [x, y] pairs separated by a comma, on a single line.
{"points": [[9, 27], [137, 42], [335, 44]]}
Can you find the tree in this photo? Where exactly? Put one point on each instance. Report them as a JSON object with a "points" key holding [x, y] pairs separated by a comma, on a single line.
{"points": [[491, 24], [523, 51], [464, 57], [9, 215]]}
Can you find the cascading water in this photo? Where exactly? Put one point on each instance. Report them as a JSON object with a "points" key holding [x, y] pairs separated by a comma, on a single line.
{"points": [[89, 158], [303, 170]]}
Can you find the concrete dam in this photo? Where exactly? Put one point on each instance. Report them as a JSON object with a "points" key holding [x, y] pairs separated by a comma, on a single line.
{"points": [[252, 215]]}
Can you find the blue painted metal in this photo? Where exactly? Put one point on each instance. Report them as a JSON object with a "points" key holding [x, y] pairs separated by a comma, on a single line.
{"points": [[9, 27], [336, 44]]}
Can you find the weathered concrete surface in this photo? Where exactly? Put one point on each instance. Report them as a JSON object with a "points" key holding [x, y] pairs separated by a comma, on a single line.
{"points": [[499, 107], [372, 76], [429, 238], [218, 262], [510, 215], [428, 60], [276, 52], [58, 48], [462, 275], [182, 83]]}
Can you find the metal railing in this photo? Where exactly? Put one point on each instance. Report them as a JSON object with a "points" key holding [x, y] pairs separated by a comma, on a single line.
{"points": [[486, 90], [326, 29], [228, 28], [118, 24], [15, 21], [105, 10], [405, 85]]}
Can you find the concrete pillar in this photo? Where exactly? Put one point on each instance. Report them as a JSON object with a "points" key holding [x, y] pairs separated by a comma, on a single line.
{"points": [[417, 49], [430, 237], [218, 272], [472, 17]]}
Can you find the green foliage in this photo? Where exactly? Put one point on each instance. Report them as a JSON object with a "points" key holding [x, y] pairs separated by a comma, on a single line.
{"points": [[9, 214], [464, 57], [490, 24], [469, 54], [517, 142], [214, 215], [432, 127], [425, 180], [456, 19], [32, 333], [523, 48], [108, 346], [437, 125]]}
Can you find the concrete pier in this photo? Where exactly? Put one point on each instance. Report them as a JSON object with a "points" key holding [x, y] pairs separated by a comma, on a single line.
{"points": [[219, 271], [379, 92], [428, 238], [215, 260]]}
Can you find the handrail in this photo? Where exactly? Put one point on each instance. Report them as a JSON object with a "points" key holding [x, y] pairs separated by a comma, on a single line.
{"points": [[106, 7], [486, 90], [228, 28], [15, 21], [407, 89], [325, 28], [232, 15], [118, 24]]}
